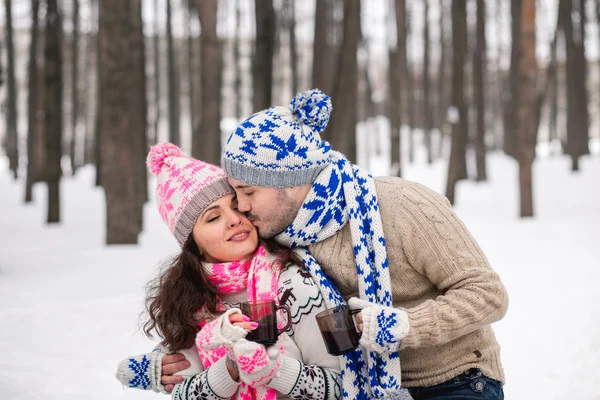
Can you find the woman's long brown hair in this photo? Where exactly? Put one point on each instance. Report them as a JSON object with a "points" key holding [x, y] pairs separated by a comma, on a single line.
{"points": [[175, 296]]}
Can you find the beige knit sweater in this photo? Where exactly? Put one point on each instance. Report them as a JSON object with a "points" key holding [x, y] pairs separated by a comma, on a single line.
{"points": [[439, 276]]}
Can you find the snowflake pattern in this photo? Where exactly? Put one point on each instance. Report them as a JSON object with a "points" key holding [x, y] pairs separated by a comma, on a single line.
{"points": [[140, 369]]}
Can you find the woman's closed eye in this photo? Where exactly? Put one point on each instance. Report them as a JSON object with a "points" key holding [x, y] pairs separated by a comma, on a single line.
{"points": [[213, 218]]}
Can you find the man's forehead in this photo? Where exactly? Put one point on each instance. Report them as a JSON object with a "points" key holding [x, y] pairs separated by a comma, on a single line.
{"points": [[237, 184]]}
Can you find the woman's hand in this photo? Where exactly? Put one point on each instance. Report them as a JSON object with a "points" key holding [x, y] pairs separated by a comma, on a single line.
{"points": [[242, 321]]}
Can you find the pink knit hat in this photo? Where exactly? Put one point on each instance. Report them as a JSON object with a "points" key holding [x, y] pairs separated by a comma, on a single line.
{"points": [[184, 187]]}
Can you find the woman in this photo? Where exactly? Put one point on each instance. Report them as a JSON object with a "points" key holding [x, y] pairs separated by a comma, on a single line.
{"points": [[221, 263]]}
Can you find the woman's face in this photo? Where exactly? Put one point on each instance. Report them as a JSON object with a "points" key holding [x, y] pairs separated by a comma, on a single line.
{"points": [[224, 234]]}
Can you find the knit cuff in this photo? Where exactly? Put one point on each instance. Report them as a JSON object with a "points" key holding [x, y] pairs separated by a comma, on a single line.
{"points": [[219, 380], [287, 376], [424, 331]]}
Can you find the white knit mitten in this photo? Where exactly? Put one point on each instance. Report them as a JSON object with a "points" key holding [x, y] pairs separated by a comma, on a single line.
{"points": [[142, 371], [383, 327], [220, 332], [256, 364]]}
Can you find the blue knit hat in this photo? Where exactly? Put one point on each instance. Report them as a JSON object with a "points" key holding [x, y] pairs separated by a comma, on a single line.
{"points": [[281, 146]]}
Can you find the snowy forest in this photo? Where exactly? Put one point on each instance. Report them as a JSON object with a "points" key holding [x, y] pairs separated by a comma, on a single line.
{"points": [[495, 104]]}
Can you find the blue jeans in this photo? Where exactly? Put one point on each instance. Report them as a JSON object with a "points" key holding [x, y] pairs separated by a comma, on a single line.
{"points": [[468, 385]]}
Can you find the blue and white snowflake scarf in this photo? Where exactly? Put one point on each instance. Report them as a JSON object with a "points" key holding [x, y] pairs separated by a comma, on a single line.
{"points": [[342, 193]]}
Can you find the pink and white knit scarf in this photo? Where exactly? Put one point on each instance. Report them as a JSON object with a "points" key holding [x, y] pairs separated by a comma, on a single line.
{"points": [[259, 275]]}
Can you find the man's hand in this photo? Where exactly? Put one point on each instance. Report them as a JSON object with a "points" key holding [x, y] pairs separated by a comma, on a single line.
{"points": [[171, 364], [383, 328]]}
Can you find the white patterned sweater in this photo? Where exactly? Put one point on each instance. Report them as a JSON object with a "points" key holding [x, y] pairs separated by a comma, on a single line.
{"points": [[306, 371]]}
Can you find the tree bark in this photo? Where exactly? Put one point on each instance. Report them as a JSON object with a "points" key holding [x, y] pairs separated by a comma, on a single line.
{"points": [[207, 141], [527, 129], [342, 126], [262, 63], [237, 62], [157, 75], [119, 119], [172, 71], [74, 86], [291, 25], [53, 110], [479, 68], [33, 138], [323, 48], [90, 89], [577, 114], [427, 106], [457, 169], [397, 57], [409, 95], [442, 103], [512, 101], [12, 136]]}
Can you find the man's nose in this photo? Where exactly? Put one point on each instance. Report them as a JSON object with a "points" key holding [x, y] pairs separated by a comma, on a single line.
{"points": [[243, 205]]}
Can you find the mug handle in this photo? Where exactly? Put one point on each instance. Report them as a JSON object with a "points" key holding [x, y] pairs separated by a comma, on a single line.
{"points": [[353, 314], [289, 318]]}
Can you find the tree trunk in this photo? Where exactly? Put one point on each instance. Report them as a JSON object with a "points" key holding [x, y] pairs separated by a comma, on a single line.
{"points": [[427, 106], [457, 169], [577, 114], [12, 136], [442, 103], [191, 68], [140, 116], [172, 71], [90, 89], [74, 86], [323, 49], [237, 62], [291, 25], [262, 63], [157, 75], [342, 126], [53, 118], [512, 101], [527, 112], [397, 57], [119, 119], [409, 95], [207, 141], [33, 97], [479, 68]]}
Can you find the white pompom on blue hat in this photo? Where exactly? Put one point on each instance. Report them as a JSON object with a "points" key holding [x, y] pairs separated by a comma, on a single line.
{"points": [[281, 146]]}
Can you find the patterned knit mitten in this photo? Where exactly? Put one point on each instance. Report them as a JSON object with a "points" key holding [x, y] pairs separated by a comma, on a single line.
{"points": [[220, 331], [383, 327], [143, 371], [256, 364]]}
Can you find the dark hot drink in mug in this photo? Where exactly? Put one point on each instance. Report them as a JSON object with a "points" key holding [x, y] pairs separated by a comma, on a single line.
{"points": [[264, 312], [338, 330]]}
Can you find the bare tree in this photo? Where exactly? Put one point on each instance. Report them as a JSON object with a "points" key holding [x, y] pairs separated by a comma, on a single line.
{"points": [[157, 75], [290, 22], [323, 49], [119, 119], [91, 87], [262, 63], [237, 61], [409, 92], [427, 106], [527, 129], [577, 114], [479, 69], [342, 126], [442, 103], [12, 136], [53, 97], [74, 84], [511, 99], [194, 112], [173, 85], [397, 57], [33, 95], [206, 143], [457, 169]]}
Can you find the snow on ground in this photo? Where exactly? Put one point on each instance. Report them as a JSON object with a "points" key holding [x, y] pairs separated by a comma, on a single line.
{"points": [[70, 305]]}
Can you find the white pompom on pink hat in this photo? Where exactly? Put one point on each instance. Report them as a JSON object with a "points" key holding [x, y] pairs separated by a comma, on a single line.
{"points": [[184, 187]]}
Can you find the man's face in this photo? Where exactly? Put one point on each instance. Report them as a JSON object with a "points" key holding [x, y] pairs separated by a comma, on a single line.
{"points": [[271, 210]]}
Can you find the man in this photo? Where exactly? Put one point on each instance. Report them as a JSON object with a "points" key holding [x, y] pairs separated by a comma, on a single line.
{"points": [[395, 244]]}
